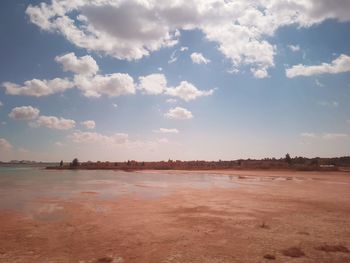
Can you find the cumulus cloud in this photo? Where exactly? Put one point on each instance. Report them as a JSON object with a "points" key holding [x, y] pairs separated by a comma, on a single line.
{"points": [[171, 101], [338, 65], [309, 135], [165, 130], [153, 84], [24, 113], [333, 136], [116, 140], [187, 91], [329, 103], [260, 73], [326, 136], [85, 65], [179, 113], [133, 29], [5, 145], [94, 137], [198, 58], [294, 48], [112, 85], [156, 84], [37, 87], [53, 122], [124, 29], [59, 144], [86, 79], [163, 140], [89, 124], [29, 113]]}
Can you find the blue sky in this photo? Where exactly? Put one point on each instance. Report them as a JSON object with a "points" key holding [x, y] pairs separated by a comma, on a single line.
{"points": [[152, 80]]}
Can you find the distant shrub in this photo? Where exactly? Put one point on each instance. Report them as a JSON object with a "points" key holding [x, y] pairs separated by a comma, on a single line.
{"points": [[75, 162]]}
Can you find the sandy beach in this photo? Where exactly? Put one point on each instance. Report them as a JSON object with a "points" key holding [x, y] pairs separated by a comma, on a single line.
{"points": [[268, 216]]}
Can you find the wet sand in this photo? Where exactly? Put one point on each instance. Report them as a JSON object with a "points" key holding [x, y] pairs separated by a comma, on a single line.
{"points": [[272, 216]]}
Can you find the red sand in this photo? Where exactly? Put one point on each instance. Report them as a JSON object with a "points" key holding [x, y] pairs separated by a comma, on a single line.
{"points": [[298, 213]]}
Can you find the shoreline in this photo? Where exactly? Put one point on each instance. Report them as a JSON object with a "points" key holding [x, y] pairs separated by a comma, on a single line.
{"points": [[306, 211], [337, 169]]}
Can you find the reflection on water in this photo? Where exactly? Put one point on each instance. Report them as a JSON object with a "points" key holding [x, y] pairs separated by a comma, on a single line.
{"points": [[23, 188]]}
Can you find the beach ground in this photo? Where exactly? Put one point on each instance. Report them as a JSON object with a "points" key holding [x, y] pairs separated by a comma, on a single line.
{"points": [[271, 216]]}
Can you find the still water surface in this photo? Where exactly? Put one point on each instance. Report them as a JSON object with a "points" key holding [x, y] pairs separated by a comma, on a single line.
{"points": [[21, 188]]}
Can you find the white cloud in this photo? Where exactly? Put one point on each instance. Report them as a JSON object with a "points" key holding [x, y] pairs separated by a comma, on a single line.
{"points": [[89, 124], [113, 141], [23, 150], [94, 137], [318, 83], [198, 58], [24, 113], [171, 101], [165, 130], [124, 29], [334, 136], [294, 48], [133, 29], [153, 84], [37, 87], [5, 145], [85, 79], [325, 136], [308, 135], [329, 103], [163, 140], [179, 113], [85, 65], [233, 70], [175, 54], [59, 144], [53, 122], [29, 113], [338, 65], [260, 73], [112, 85], [156, 84], [1, 104], [187, 91], [173, 57], [115, 105]]}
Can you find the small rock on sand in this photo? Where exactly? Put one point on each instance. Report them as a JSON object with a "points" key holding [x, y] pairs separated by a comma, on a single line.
{"points": [[335, 248], [293, 252], [269, 257]]}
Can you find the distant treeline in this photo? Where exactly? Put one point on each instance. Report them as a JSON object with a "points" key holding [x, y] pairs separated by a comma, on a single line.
{"points": [[297, 163]]}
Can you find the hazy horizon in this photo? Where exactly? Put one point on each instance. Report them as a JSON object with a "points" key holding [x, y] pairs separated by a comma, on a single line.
{"points": [[189, 80]]}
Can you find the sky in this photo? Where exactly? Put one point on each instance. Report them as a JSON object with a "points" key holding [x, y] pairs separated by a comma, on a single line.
{"points": [[191, 80]]}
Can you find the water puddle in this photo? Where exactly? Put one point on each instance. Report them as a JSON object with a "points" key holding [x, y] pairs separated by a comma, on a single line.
{"points": [[22, 189]]}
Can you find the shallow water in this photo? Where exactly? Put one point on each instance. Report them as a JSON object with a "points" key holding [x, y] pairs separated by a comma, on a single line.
{"points": [[23, 188]]}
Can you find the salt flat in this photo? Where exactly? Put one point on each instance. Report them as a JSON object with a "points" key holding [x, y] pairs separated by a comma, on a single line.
{"points": [[174, 216]]}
